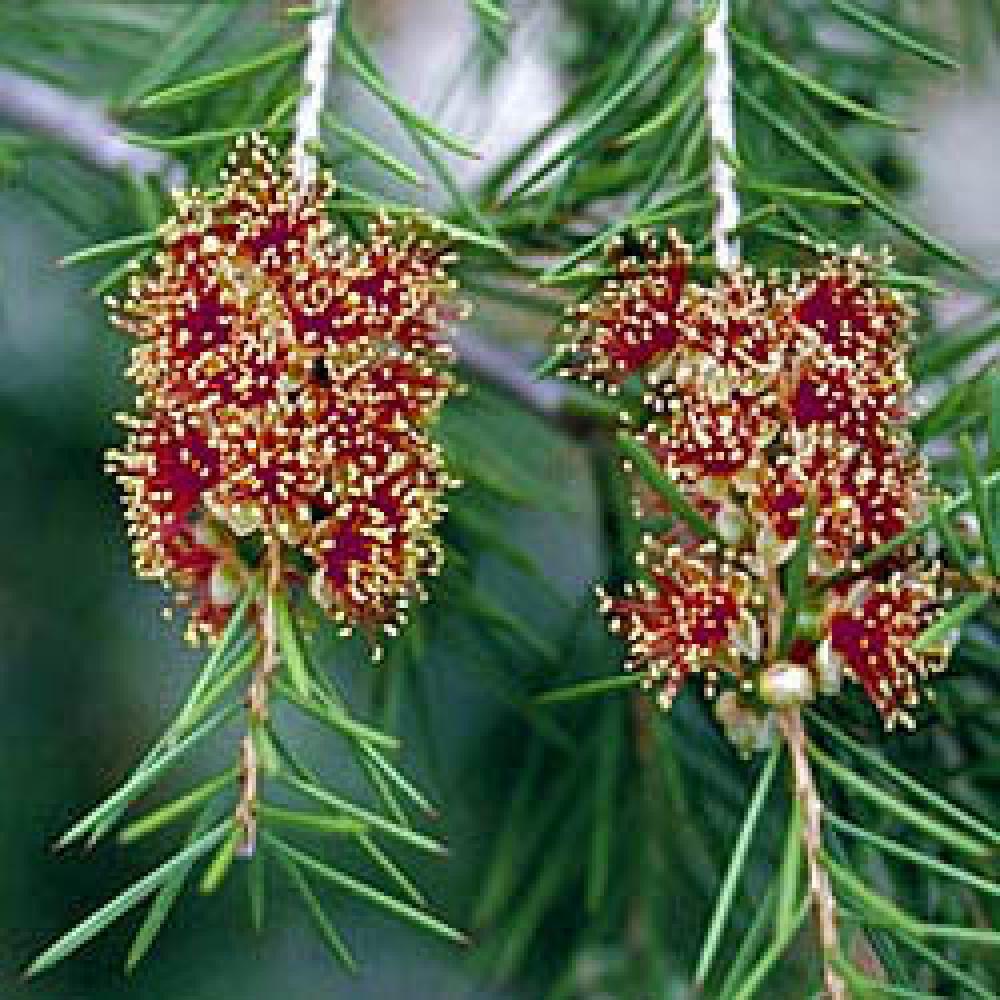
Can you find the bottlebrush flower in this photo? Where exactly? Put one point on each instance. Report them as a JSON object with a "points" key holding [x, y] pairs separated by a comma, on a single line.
{"points": [[288, 379], [770, 398]]}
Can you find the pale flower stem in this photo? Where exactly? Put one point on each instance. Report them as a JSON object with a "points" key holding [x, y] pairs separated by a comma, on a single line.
{"points": [[315, 74], [719, 109], [257, 707], [823, 901]]}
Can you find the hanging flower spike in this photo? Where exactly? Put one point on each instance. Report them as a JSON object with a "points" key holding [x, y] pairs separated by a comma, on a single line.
{"points": [[290, 380], [637, 318], [775, 398], [693, 615], [869, 634]]}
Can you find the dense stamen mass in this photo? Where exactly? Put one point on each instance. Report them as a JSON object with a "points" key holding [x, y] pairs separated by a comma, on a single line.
{"points": [[770, 396], [288, 378]]}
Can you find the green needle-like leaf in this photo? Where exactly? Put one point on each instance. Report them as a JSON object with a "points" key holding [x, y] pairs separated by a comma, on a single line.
{"points": [[178, 808], [391, 869], [737, 863], [589, 689], [769, 959], [373, 82], [121, 904], [329, 934], [141, 780], [291, 652], [358, 888], [878, 762], [948, 622], [796, 574], [219, 867], [668, 113], [871, 197], [181, 93], [648, 468], [161, 906], [892, 34], [124, 245], [344, 808], [900, 850], [809, 195], [814, 86], [371, 149], [885, 800], [340, 721], [980, 502], [207, 21], [950, 539]]}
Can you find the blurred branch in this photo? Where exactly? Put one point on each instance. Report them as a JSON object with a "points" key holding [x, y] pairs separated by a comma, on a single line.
{"points": [[507, 371], [82, 125]]}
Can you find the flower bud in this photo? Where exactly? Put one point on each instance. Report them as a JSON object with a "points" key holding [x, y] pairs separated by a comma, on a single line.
{"points": [[224, 585], [744, 727], [786, 685]]}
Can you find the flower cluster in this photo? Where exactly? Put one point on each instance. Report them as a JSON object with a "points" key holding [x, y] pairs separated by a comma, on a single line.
{"points": [[287, 380], [769, 398]]}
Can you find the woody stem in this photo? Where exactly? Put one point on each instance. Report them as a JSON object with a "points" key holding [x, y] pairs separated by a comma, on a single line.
{"points": [[257, 705], [823, 902]]}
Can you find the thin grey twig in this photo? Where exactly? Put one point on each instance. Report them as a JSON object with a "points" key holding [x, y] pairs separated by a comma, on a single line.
{"points": [[83, 126]]}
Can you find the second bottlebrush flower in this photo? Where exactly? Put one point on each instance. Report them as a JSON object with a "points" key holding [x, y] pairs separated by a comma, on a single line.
{"points": [[779, 415]]}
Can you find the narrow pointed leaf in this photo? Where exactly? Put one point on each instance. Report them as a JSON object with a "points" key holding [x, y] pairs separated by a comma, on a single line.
{"points": [[921, 791], [953, 619], [589, 689], [180, 93], [367, 892], [121, 904], [885, 800], [814, 86], [853, 11], [648, 468], [871, 197], [365, 816], [140, 781], [737, 863], [167, 895], [796, 574], [178, 808], [327, 932], [900, 850]]}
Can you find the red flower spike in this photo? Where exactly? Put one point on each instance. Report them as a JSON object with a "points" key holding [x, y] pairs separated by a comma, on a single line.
{"points": [[291, 379], [769, 397], [637, 319], [693, 617], [872, 633], [863, 499]]}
